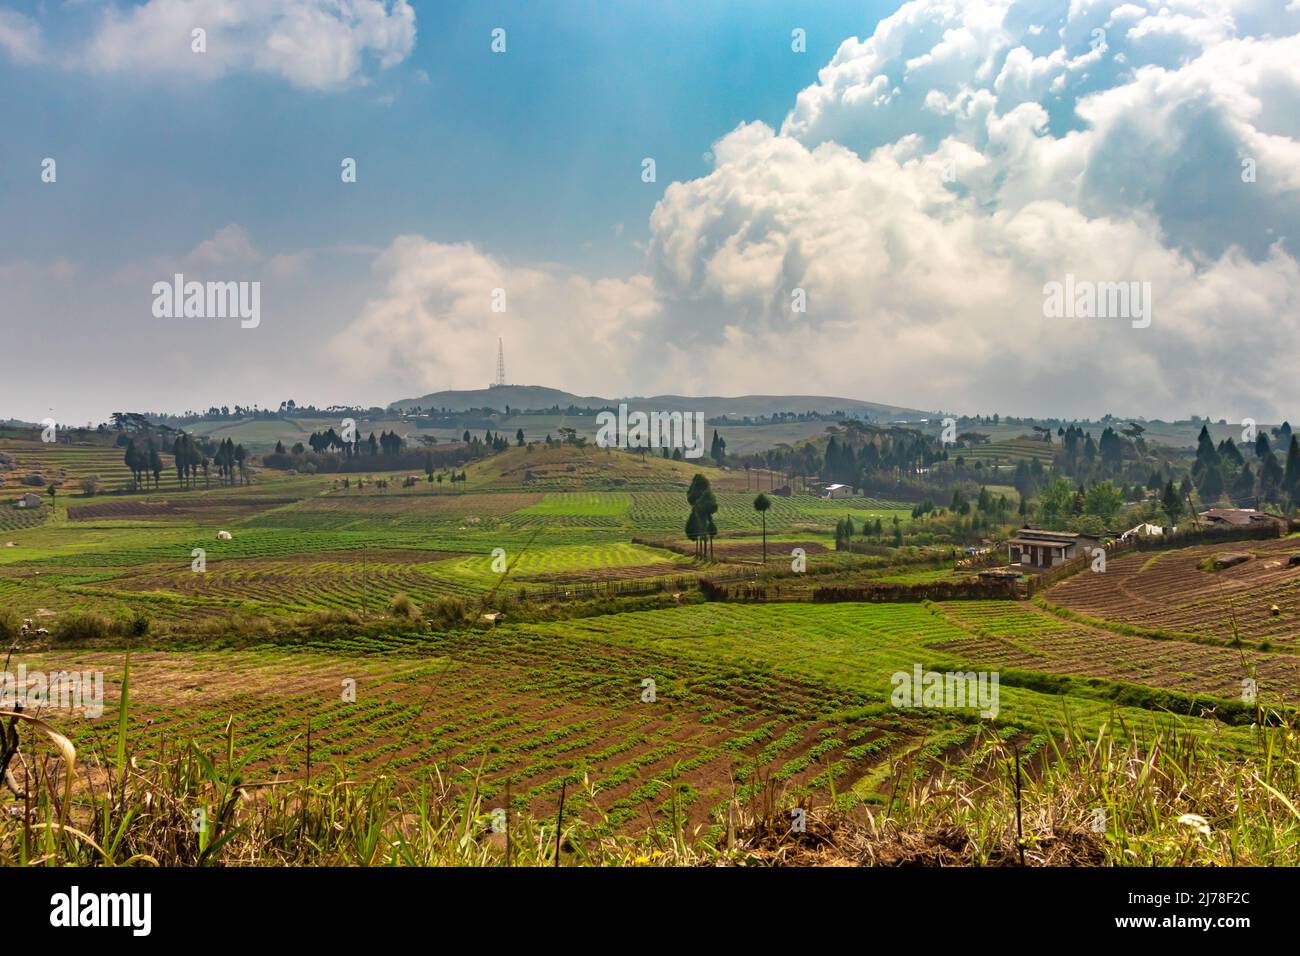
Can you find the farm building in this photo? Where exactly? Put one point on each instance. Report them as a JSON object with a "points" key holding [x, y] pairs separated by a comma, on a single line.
{"points": [[1235, 517], [28, 500], [1035, 549], [837, 491]]}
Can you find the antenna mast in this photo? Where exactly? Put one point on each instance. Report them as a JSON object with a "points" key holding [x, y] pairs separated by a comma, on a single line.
{"points": [[501, 364]]}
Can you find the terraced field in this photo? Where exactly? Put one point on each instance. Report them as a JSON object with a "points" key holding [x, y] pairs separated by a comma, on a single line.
{"points": [[659, 512], [536, 711], [67, 464], [183, 506], [303, 543], [16, 519], [794, 694], [1011, 450], [1169, 591], [798, 693], [569, 468], [389, 510], [1019, 635]]}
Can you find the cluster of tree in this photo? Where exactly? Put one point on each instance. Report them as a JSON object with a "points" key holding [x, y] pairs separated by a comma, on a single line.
{"points": [[220, 413], [998, 508], [144, 460], [1028, 477], [388, 444], [845, 530], [855, 456], [893, 461], [230, 459], [327, 441], [718, 448], [1064, 504], [700, 527], [132, 422], [1120, 455], [1248, 478], [785, 460], [191, 457], [949, 527], [1078, 446], [487, 412], [777, 418], [330, 461], [489, 442], [965, 519]]}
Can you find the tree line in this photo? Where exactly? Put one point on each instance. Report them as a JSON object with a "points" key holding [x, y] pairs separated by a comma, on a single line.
{"points": [[191, 458]]}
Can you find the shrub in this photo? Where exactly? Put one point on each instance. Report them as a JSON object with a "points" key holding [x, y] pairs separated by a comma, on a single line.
{"points": [[403, 607], [82, 626], [447, 612], [332, 622], [10, 624], [133, 624], [236, 630]]}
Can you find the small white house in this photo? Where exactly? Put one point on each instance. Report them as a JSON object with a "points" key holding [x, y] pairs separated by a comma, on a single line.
{"points": [[1038, 549], [837, 491], [28, 500]]}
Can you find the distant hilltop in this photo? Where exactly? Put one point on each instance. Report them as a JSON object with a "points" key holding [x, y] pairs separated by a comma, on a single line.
{"points": [[540, 398]]}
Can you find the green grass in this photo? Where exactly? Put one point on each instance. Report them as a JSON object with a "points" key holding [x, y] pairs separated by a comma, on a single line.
{"points": [[798, 691], [586, 504]]}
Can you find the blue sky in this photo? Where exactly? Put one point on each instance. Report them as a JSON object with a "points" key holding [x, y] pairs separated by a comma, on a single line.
{"points": [[535, 153], [877, 217]]}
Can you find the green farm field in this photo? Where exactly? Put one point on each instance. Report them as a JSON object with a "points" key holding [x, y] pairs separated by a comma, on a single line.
{"points": [[302, 598], [300, 543], [798, 694]]}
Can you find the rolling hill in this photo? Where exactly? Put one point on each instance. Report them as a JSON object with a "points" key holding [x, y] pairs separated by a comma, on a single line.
{"points": [[537, 397]]}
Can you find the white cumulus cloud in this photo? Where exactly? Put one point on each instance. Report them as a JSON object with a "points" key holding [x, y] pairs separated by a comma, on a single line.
{"points": [[920, 195], [1067, 160], [436, 297], [311, 44]]}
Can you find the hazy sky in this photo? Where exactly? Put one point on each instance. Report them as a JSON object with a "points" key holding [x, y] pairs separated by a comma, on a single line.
{"points": [[915, 174]]}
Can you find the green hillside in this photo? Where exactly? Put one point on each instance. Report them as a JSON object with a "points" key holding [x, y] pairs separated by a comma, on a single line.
{"points": [[539, 398]]}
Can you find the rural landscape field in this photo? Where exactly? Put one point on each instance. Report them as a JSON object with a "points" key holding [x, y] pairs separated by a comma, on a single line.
{"points": [[537, 648], [686, 446]]}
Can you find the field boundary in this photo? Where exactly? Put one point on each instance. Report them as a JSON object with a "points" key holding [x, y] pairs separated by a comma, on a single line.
{"points": [[716, 589]]}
